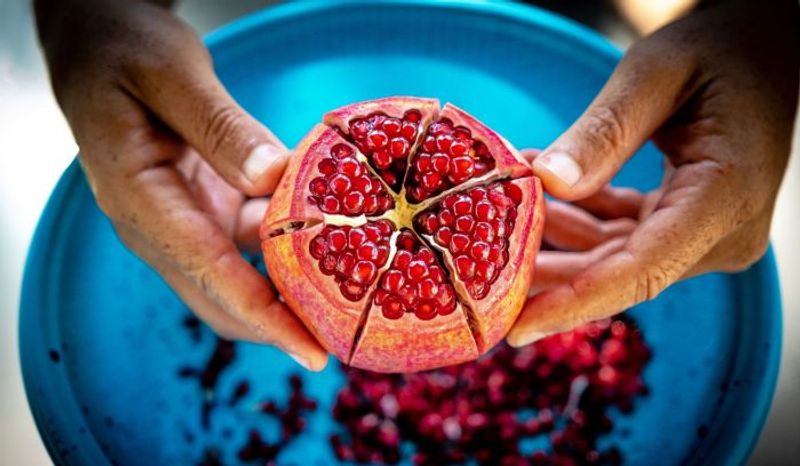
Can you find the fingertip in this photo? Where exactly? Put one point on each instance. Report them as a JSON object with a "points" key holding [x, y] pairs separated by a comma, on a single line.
{"points": [[263, 168], [559, 172], [520, 339], [313, 363]]}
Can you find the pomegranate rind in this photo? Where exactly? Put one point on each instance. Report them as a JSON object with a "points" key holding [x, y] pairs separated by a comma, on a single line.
{"points": [[313, 296], [290, 201], [409, 344], [493, 316], [508, 161], [391, 106]]}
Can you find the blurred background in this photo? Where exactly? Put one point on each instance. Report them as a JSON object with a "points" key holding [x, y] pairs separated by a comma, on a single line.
{"points": [[37, 146]]}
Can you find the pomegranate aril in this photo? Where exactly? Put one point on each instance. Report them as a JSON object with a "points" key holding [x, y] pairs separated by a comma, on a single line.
{"points": [[382, 159], [327, 167], [399, 147], [353, 202], [436, 274], [465, 223], [443, 142], [431, 180], [377, 139], [443, 236], [350, 167], [428, 223], [446, 300], [319, 186], [345, 264], [427, 289], [392, 281], [341, 150], [392, 308], [364, 272], [426, 255], [465, 266], [337, 240], [484, 232], [328, 264], [402, 259], [461, 168], [367, 251], [477, 288], [409, 131], [416, 270], [446, 218], [484, 210], [486, 271], [370, 204], [425, 311], [479, 251], [352, 290], [391, 126], [318, 247], [385, 226], [459, 243], [440, 162], [462, 205], [408, 296], [330, 205]]}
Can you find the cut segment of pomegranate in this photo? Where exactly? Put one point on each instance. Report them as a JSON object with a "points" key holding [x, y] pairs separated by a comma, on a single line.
{"points": [[386, 131], [452, 281]]}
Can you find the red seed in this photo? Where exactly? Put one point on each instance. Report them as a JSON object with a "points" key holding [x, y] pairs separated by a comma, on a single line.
{"points": [[367, 251], [345, 264], [391, 126], [318, 186], [460, 169], [337, 240], [392, 281], [416, 271], [399, 147], [392, 308], [382, 159], [377, 139], [465, 266], [330, 205], [352, 290], [443, 236], [350, 167], [427, 288], [462, 205], [465, 223], [327, 167], [459, 243], [479, 251], [440, 162], [425, 311], [355, 237], [340, 150], [364, 272], [353, 202], [318, 247]]}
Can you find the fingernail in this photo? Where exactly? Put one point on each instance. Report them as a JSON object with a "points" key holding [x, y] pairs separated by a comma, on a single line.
{"points": [[259, 160], [300, 360], [560, 164], [527, 339]]}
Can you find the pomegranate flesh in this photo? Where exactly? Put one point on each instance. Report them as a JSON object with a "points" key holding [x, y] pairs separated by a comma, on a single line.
{"points": [[403, 235]]}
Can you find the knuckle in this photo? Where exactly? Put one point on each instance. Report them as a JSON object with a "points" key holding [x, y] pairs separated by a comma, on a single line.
{"points": [[220, 126], [604, 128], [651, 282]]}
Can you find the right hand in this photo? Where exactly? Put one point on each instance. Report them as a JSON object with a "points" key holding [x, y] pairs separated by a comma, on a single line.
{"points": [[172, 160]]}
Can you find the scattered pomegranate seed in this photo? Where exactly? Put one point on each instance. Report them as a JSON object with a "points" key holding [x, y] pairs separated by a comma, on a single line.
{"points": [[556, 391]]}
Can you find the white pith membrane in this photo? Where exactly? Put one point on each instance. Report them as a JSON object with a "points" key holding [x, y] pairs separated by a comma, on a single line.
{"points": [[402, 216]]}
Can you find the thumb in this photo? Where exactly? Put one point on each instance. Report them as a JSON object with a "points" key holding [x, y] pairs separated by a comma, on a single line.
{"points": [[646, 88], [185, 93]]}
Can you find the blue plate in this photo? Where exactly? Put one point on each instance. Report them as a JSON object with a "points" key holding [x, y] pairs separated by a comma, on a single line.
{"points": [[101, 336]]}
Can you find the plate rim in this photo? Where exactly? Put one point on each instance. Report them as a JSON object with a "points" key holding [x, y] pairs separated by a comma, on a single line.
{"points": [[36, 367]]}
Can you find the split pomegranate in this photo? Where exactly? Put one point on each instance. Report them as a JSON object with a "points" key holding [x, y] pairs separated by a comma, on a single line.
{"points": [[404, 236]]}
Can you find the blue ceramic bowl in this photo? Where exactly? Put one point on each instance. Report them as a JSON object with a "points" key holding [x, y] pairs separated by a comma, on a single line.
{"points": [[101, 336]]}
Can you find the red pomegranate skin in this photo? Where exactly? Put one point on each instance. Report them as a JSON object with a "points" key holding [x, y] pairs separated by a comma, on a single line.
{"points": [[404, 235]]}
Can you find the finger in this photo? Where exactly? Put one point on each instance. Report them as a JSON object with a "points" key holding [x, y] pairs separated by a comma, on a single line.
{"points": [[555, 268], [611, 202], [249, 223], [530, 154], [183, 91], [197, 247], [570, 228], [692, 217], [648, 85]]}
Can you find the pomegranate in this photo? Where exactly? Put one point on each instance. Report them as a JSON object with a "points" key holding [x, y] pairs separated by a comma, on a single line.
{"points": [[404, 236]]}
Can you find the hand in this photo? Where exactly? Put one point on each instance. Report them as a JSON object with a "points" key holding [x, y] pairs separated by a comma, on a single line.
{"points": [[717, 92], [172, 159]]}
